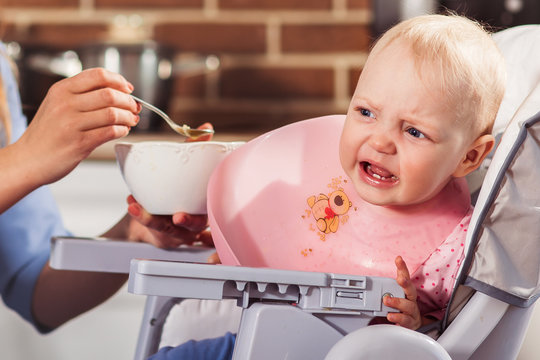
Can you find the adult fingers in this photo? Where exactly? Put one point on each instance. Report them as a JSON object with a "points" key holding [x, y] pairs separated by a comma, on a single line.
{"points": [[160, 223], [205, 238], [131, 200], [96, 78], [164, 240], [104, 98], [105, 117], [162, 226], [204, 137], [157, 238], [93, 138], [82, 144], [140, 233], [194, 223], [213, 259]]}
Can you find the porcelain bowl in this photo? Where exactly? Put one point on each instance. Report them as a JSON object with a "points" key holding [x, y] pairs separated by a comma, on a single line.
{"points": [[168, 177]]}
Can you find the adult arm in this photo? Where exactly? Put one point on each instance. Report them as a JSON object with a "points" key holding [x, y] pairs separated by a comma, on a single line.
{"points": [[62, 295], [77, 115]]}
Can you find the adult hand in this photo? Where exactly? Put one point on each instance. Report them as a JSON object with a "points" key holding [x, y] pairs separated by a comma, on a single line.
{"points": [[167, 231], [77, 115]]}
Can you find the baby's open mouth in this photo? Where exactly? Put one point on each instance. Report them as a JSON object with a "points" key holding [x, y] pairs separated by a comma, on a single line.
{"points": [[378, 172]]}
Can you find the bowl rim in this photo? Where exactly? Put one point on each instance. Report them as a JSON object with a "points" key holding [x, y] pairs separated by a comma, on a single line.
{"points": [[176, 144]]}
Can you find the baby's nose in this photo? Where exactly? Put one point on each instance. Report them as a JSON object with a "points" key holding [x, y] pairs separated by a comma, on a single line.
{"points": [[382, 141]]}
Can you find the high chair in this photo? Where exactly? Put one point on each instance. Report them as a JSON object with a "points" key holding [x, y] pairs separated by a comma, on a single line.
{"points": [[300, 315]]}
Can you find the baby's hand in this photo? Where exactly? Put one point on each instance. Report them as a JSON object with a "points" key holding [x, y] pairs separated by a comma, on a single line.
{"points": [[409, 313]]}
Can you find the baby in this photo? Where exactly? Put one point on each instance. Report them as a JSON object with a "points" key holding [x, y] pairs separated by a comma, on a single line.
{"points": [[419, 121], [421, 118]]}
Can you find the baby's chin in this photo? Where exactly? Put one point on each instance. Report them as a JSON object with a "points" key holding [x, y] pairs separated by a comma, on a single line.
{"points": [[382, 202], [382, 198], [398, 204]]}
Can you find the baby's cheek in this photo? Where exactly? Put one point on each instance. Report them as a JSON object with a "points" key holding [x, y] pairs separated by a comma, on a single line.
{"points": [[347, 163], [424, 176], [344, 152]]}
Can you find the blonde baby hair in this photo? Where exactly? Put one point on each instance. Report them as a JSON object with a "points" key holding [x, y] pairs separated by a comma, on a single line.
{"points": [[466, 60]]}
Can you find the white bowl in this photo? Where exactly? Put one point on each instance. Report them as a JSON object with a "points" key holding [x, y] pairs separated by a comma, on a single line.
{"points": [[169, 177]]}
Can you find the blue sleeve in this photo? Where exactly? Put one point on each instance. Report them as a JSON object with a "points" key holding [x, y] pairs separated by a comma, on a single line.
{"points": [[27, 227], [209, 349]]}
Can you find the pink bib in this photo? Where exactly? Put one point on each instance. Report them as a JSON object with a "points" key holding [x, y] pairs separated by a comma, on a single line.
{"points": [[283, 201]]}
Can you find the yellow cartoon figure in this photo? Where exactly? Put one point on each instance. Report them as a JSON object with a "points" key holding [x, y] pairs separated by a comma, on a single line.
{"points": [[327, 209]]}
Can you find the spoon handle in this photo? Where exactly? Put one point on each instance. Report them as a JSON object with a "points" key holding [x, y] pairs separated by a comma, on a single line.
{"points": [[182, 130], [154, 109]]}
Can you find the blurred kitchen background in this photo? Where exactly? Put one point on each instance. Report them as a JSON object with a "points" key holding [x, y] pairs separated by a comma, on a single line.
{"points": [[246, 66]]}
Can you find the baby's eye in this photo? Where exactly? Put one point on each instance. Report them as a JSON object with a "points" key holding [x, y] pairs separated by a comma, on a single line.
{"points": [[416, 133], [366, 113]]}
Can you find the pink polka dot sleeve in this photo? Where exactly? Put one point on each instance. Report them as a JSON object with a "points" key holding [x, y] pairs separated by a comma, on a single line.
{"points": [[435, 278]]}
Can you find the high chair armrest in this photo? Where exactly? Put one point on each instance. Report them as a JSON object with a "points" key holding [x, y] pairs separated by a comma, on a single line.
{"points": [[472, 326]]}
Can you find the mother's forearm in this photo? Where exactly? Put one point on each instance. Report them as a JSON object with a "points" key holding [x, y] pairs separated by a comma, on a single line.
{"points": [[61, 295]]}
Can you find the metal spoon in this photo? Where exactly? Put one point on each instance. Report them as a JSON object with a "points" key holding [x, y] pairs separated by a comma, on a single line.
{"points": [[182, 130]]}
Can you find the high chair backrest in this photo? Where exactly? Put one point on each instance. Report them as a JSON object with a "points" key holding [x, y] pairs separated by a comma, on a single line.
{"points": [[503, 248], [503, 256]]}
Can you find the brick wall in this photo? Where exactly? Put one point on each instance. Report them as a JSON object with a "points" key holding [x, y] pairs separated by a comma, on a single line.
{"points": [[281, 60]]}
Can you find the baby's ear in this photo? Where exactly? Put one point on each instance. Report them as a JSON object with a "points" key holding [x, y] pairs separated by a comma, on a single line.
{"points": [[477, 152]]}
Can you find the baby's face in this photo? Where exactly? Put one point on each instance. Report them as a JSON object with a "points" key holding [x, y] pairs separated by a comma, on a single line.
{"points": [[401, 143]]}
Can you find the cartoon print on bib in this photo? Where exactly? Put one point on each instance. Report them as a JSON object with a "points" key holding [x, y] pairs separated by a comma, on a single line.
{"points": [[329, 209]]}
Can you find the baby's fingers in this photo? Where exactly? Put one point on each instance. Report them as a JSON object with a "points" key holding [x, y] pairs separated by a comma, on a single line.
{"points": [[402, 305], [404, 279], [409, 314], [403, 320]]}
